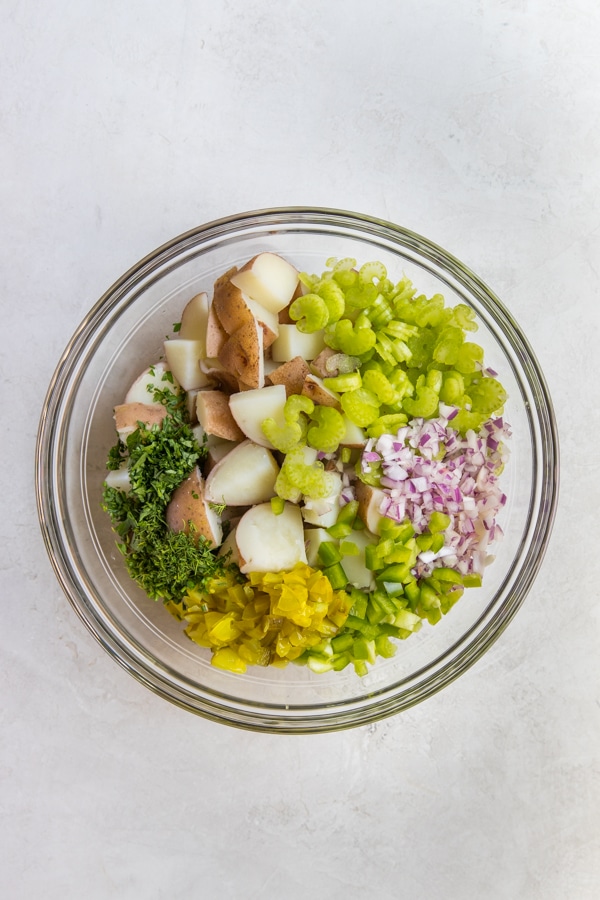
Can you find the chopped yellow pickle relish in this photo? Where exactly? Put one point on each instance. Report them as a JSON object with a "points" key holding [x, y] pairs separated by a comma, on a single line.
{"points": [[375, 473], [271, 619]]}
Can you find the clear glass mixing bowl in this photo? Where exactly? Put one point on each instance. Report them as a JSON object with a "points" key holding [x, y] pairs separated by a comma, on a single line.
{"points": [[123, 333]]}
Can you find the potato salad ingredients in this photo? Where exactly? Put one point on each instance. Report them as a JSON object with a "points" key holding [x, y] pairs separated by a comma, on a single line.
{"points": [[313, 470]]}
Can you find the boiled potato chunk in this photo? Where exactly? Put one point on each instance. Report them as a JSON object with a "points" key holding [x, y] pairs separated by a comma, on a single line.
{"points": [[324, 512], [291, 374], [244, 476], [194, 320], [189, 510], [150, 380], [251, 408], [314, 388], [229, 548], [214, 415], [127, 416], [269, 279], [242, 354], [119, 478], [216, 335], [354, 435], [369, 505], [183, 357], [291, 343], [234, 308], [313, 538], [268, 542]]}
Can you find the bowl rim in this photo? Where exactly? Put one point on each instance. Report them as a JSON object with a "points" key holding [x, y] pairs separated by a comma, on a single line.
{"points": [[299, 719]]}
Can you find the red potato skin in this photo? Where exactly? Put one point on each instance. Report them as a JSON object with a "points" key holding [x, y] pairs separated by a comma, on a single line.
{"points": [[284, 314], [291, 374], [216, 335], [232, 311], [127, 414], [319, 394], [318, 365], [241, 353], [186, 510], [220, 421]]}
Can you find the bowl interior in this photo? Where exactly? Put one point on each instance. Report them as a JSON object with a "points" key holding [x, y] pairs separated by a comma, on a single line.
{"points": [[124, 333]]}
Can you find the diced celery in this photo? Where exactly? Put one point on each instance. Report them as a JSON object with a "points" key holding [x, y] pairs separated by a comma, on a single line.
{"points": [[310, 313], [326, 430], [277, 505], [349, 381], [361, 406]]}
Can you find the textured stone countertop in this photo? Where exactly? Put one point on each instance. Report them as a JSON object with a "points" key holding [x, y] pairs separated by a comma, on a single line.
{"points": [[474, 123]]}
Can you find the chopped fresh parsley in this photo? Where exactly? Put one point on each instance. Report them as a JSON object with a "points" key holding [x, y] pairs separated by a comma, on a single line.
{"points": [[159, 458]]}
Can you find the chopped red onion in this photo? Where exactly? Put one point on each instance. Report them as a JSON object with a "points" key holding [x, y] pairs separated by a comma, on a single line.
{"points": [[463, 484]]}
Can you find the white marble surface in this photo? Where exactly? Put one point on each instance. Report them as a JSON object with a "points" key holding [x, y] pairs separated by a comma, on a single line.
{"points": [[475, 123]]}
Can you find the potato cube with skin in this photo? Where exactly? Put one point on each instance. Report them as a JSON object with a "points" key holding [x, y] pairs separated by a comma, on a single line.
{"points": [[214, 415], [156, 377], [269, 279], [291, 374], [216, 336], [127, 416], [370, 500], [194, 320], [183, 357], [189, 511], [242, 354], [250, 409], [314, 388], [234, 308], [318, 365]]}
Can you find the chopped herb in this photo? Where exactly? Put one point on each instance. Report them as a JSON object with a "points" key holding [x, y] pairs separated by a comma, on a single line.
{"points": [[164, 564], [176, 326], [116, 456]]}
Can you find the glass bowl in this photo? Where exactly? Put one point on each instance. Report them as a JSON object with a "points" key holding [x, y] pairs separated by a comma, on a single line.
{"points": [[124, 332]]}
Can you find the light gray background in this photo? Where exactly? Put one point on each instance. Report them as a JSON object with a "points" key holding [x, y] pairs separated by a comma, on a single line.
{"points": [[474, 123]]}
